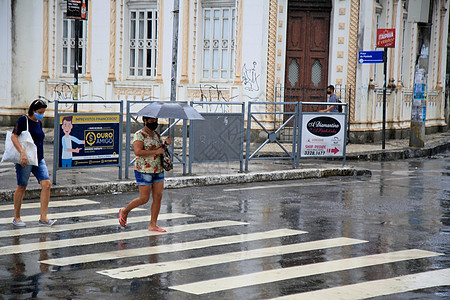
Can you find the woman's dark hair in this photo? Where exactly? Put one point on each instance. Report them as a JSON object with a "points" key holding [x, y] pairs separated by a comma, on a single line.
{"points": [[35, 105], [144, 118]]}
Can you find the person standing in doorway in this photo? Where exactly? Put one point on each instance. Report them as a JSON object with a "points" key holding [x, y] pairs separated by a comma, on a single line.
{"points": [[32, 121], [148, 171], [333, 98]]}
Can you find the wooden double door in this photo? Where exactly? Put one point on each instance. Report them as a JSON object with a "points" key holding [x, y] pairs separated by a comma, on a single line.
{"points": [[307, 56]]}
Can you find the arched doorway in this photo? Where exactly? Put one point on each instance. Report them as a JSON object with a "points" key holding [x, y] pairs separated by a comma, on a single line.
{"points": [[308, 32]]}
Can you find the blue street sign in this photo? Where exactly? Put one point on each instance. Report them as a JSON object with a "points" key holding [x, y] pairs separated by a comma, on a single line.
{"points": [[370, 57]]}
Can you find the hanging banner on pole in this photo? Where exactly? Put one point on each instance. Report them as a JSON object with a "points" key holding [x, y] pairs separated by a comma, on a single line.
{"points": [[77, 9], [386, 38]]}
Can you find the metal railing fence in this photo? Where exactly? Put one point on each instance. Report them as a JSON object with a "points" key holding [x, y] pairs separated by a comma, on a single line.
{"points": [[291, 118]]}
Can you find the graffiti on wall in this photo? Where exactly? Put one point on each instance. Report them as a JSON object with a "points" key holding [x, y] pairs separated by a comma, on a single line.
{"points": [[62, 91], [212, 93], [250, 78]]}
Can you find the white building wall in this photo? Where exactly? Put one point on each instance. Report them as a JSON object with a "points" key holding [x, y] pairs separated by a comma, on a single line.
{"points": [[364, 71], [100, 48], [368, 109], [254, 50], [26, 52], [22, 55], [5, 53]]}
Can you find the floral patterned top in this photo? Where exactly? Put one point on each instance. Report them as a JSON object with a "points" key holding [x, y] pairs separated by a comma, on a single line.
{"points": [[148, 164]]}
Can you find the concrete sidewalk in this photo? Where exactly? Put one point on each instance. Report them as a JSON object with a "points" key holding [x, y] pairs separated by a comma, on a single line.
{"points": [[76, 182]]}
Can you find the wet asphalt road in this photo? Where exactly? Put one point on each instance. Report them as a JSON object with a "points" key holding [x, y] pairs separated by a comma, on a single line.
{"points": [[405, 205]]}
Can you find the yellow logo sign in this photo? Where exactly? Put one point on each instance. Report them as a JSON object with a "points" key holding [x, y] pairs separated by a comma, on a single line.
{"points": [[90, 138]]}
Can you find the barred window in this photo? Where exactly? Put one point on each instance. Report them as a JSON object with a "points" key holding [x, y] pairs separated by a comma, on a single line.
{"points": [[68, 46], [143, 43], [219, 27]]}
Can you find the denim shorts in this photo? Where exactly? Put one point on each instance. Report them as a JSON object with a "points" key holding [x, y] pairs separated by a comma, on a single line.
{"points": [[23, 173], [148, 178]]}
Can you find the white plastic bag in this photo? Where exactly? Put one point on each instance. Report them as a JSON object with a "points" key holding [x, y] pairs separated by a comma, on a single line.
{"points": [[26, 141]]}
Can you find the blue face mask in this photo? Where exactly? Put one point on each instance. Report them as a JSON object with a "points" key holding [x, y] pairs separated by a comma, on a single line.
{"points": [[38, 116]]}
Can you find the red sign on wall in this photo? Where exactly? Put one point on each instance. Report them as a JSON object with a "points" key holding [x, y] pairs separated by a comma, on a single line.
{"points": [[386, 38]]}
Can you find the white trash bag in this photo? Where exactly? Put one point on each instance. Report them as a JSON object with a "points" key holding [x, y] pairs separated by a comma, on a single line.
{"points": [[26, 141]]}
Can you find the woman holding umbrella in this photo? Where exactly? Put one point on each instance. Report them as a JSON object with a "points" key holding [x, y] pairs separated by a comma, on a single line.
{"points": [[148, 171]]}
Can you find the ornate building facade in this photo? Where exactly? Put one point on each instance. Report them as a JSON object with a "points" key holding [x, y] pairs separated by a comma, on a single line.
{"points": [[228, 50]]}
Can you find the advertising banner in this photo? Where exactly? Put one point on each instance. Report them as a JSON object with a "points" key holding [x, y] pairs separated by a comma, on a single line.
{"points": [[386, 38], [77, 9], [88, 140], [322, 135]]}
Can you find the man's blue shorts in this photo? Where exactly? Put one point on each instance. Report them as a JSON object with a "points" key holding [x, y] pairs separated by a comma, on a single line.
{"points": [[23, 173], [148, 178]]}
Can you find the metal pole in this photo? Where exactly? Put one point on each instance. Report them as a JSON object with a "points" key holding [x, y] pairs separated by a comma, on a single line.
{"points": [[121, 141], [348, 114], [55, 142], [249, 130], [75, 71], [384, 99], [127, 141], [173, 85], [184, 145]]}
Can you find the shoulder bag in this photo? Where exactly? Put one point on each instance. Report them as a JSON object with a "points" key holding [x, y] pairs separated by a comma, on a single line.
{"points": [[166, 161], [26, 141]]}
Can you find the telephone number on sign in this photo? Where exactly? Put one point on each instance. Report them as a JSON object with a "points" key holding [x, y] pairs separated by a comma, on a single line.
{"points": [[314, 152]]}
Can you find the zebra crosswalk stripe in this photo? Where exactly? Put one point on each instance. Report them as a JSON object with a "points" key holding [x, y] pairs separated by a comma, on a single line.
{"points": [[226, 240], [227, 283], [85, 225], [51, 204], [376, 288], [71, 214], [96, 239], [144, 270]]}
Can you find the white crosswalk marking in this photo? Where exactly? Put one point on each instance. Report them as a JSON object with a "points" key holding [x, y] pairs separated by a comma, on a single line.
{"points": [[262, 244], [226, 240], [156, 268], [96, 239], [86, 225], [51, 204], [221, 284], [72, 214], [297, 184], [377, 288]]}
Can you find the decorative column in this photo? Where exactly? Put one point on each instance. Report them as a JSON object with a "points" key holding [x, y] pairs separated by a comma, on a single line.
{"points": [[185, 50], [194, 39], [238, 46], [271, 51], [443, 11], [112, 41], [54, 38], [45, 42], [159, 62], [352, 50]]}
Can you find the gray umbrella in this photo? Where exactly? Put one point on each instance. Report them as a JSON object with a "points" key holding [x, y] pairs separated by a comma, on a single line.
{"points": [[170, 110]]}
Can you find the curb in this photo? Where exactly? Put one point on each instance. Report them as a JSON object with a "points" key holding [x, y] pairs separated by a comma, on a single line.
{"points": [[389, 155], [189, 181]]}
